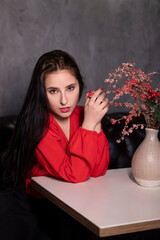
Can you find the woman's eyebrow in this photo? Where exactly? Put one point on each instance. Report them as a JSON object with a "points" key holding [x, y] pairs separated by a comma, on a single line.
{"points": [[72, 84], [52, 88]]}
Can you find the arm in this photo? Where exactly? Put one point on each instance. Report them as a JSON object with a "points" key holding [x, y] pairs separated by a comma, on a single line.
{"points": [[75, 164], [96, 106], [86, 149]]}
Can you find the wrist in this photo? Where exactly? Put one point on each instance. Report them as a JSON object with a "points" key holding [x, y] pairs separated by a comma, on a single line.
{"points": [[89, 126], [98, 127]]}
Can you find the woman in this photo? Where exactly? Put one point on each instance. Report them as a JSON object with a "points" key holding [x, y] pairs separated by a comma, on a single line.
{"points": [[51, 128], [54, 136]]}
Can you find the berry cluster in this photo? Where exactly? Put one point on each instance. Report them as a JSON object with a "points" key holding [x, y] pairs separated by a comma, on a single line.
{"points": [[153, 95], [146, 101]]}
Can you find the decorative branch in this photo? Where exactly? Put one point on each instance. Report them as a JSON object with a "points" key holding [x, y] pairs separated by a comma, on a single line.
{"points": [[137, 84]]}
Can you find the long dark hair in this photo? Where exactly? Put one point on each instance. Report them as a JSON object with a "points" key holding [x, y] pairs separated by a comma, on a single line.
{"points": [[32, 121]]}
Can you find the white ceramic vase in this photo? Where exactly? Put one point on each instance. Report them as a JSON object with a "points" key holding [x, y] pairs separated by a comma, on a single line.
{"points": [[146, 160]]}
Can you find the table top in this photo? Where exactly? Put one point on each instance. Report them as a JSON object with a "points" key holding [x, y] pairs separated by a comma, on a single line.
{"points": [[108, 205]]}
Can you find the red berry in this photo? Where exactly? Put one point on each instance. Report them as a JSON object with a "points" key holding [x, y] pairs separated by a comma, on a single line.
{"points": [[149, 97], [150, 91], [154, 94]]}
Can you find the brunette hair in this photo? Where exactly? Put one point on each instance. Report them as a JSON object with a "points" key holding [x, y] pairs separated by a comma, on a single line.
{"points": [[32, 121]]}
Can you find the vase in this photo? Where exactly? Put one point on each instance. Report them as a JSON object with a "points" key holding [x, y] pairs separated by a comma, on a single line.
{"points": [[146, 160]]}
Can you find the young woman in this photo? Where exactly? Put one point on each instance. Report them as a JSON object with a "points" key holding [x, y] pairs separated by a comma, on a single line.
{"points": [[54, 136]]}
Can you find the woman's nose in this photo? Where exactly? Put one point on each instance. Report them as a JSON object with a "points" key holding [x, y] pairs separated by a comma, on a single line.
{"points": [[63, 99]]}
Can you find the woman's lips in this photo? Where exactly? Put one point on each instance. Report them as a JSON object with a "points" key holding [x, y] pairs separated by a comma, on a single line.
{"points": [[65, 110]]}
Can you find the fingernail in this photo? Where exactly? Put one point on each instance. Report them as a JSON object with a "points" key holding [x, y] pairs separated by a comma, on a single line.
{"points": [[89, 94], [101, 88]]}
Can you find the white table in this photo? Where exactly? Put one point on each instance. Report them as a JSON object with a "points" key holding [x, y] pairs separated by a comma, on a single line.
{"points": [[109, 205]]}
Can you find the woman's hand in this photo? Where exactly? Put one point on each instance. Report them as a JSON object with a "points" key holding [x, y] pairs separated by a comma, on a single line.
{"points": [[96, 106]]}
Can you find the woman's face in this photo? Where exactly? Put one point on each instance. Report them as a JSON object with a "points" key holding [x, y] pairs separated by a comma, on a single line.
{"points": [[62, 90]]}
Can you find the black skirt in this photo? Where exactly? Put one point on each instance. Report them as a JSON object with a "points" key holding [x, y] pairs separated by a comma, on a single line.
{"points": [[18, 218]]}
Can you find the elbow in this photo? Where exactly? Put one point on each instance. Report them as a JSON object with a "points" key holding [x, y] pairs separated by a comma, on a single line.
{"points": [[78, 179]]}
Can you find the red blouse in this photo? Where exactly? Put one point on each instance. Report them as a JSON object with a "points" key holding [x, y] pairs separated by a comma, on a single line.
{"points": [[85, 154]]}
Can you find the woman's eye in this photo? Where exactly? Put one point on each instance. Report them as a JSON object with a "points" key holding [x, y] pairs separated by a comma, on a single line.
{"points": [[53, 91], [71, 88]]}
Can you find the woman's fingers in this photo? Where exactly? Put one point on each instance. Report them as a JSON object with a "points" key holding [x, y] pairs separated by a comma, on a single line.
{"points": [[96, 106], [105, 105], [100, 99], [97, 98], [96, 94], [90, 93]]}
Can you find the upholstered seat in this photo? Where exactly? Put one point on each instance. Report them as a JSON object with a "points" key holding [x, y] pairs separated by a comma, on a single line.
{"points": [[120, 153]]}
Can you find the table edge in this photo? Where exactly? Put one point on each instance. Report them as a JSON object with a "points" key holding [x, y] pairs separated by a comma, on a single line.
{"points": [[101, 232]]}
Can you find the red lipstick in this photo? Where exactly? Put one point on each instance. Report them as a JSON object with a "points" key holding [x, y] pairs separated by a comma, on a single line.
{"points": [[65, 110]]}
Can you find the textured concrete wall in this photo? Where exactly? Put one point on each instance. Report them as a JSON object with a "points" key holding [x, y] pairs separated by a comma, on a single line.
{"points": [[100, 34]]}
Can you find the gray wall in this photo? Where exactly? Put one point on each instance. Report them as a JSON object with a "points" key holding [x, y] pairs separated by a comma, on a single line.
{"points": [[100, 34]]}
